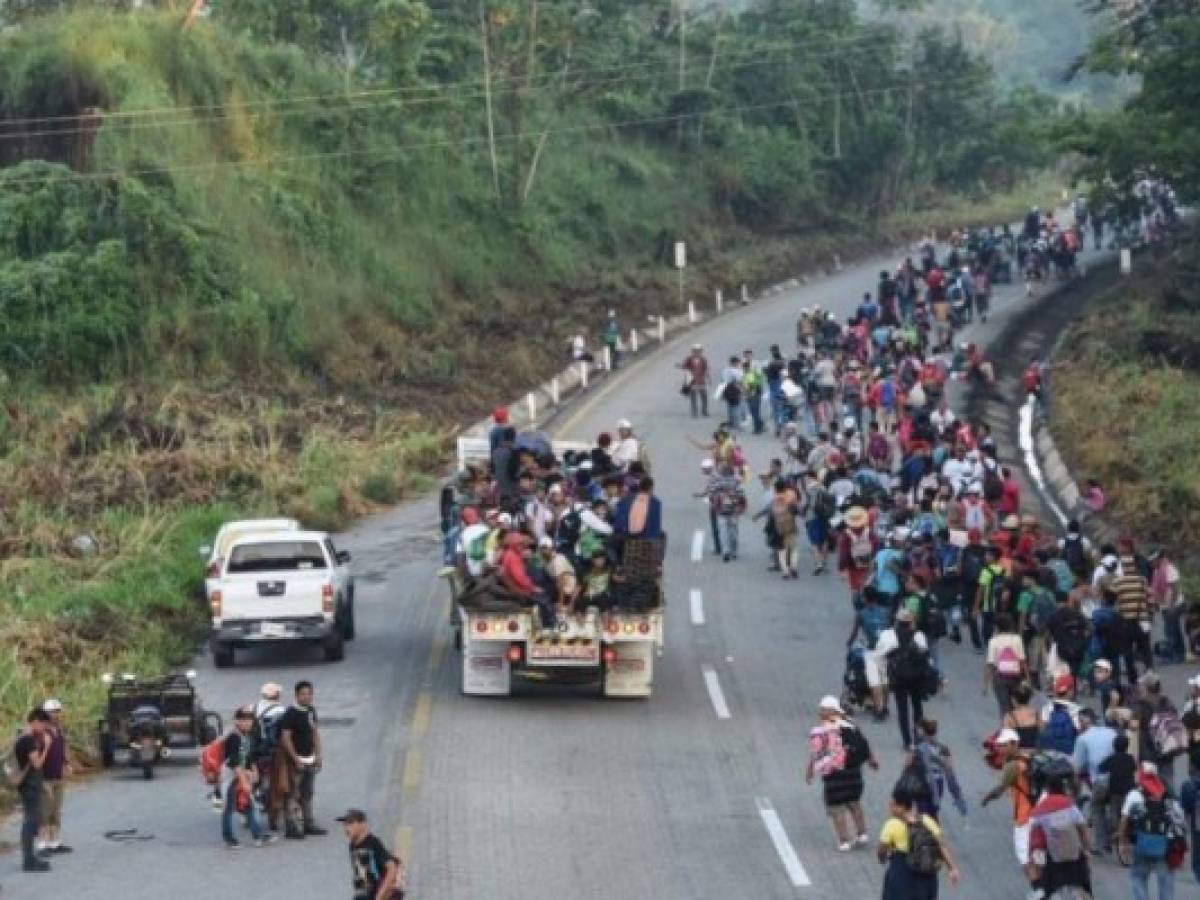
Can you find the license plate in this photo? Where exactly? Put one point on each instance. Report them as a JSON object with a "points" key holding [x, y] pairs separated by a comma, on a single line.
{"points": [[564, 652], [273, 629], [272, 588], [628, 665]]}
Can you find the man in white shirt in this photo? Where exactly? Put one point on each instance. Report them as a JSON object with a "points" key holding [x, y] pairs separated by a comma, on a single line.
{"points": [[942, 417], [472, 543], [626, 449]]}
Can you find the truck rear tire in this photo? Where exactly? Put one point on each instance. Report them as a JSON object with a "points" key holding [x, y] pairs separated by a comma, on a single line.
{"points": [[222, 656], [335, 648], [348, 622]]}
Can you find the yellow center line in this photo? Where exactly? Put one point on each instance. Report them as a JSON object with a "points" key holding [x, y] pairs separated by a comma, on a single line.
{"points": [[422, 714], [410, 781], [403, 844]]}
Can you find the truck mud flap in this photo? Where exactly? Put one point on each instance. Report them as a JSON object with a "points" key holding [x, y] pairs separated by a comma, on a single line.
{"points": [[631, 672]]}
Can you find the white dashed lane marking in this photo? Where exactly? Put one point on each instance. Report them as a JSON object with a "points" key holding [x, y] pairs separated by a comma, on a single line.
{"points": [[783, 845], [697, 546], [720, 707], [697, 600]]}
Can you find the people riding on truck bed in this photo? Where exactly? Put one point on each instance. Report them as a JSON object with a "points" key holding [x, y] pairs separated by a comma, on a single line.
{"points": [[551, 528]]}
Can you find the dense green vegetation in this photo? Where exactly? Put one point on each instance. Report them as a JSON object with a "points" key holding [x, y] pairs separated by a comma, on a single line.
{"points": [[1129, 375], [260, 264]]}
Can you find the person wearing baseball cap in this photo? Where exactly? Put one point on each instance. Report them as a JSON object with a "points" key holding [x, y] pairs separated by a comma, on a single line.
{"points": [[375, 872], [837, 753], [55, 770], [1015, 779]]}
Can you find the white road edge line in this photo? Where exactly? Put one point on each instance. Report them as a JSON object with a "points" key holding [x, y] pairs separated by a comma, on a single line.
{"points": [[714, 693], [1025, 439], [698, 545], [697, 600], [783, 846]]}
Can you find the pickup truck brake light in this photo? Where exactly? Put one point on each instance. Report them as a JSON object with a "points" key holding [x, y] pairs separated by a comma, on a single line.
{"points": [[515, 653], [610, 656], [327, 598], [214, 602]]}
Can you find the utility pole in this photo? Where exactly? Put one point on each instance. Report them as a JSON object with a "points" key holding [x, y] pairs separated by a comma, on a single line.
{"points": [[487, 96]]}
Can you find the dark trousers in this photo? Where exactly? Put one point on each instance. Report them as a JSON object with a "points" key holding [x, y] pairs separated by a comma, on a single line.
{"points": [[1173, 631], [31, 808], [754, 401], [908, 710], [299, 809], [716, 530]]}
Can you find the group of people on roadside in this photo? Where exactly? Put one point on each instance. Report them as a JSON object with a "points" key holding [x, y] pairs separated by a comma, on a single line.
{"points": [[36, 767]]}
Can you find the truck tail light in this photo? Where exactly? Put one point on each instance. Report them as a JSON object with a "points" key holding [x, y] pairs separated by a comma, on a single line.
{"points": [[514, 653], [610, 656], [481, 626], [644, 627], [327, 599], [214, 602], [514, 626]]}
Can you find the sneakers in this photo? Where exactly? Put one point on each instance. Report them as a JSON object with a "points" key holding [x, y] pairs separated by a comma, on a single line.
{"points": [[59, 848], [862, 840], [294, 834], [233, 845], [35, 865], [315, 831], [846, 847], [266, 841]]}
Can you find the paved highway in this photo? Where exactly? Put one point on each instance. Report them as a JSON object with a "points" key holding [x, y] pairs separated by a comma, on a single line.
{"points": [[695, 793]]}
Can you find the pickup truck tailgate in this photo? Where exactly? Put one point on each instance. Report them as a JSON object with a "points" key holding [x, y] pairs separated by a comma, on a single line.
{"points": [[267, 595]]}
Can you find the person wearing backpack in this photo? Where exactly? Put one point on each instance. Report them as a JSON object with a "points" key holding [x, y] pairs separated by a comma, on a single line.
{"points": [[1035, 605], [903, 653], [914, 850], [1015, 778], [1004, 667], [837, 753], [857, 547], [993, 580], [1162, 736], [1058, 841], [937, 767], [1060, 718], [1152, 821]]}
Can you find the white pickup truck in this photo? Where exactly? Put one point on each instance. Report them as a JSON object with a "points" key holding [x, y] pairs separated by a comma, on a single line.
{"points": [[281, 587]]}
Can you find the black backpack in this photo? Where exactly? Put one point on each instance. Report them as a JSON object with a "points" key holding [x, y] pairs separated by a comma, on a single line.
{"points": [[908, 664], [824, 505], [732, 393], [924, 855], [1075, 556], [993, 487], [1072, 634], [570, 527]]}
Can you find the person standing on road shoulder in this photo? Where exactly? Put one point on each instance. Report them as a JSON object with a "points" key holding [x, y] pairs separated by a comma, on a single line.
{"points": [[301, 740], [375, 873], [696, 381], [239, 759], [56, 769], [29, 755]]}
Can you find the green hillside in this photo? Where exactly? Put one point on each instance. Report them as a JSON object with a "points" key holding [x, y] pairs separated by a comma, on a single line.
{"points": [[262, 264]]}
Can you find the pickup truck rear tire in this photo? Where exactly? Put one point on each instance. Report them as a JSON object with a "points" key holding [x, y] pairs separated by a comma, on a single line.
{"points": [[222, 656], [335, 648]]}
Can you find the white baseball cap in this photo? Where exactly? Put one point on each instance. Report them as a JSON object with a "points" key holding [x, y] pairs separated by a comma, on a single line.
{"points": [[624, 424], [1007, 736], [830, 703], [52, 705], [706, 463]]}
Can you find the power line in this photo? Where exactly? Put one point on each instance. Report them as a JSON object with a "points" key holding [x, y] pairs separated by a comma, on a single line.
{"points": [[569, 83], [404, 149], [409, 89]]}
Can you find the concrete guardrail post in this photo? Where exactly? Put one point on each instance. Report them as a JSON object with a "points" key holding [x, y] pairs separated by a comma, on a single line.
{"points": [[662, 330], [555, 392], [720, 302], [583, 374]]}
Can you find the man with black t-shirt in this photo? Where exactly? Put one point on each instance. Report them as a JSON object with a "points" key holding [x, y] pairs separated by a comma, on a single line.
{"points": [[29, 752], [301, 742], [376, 873]]}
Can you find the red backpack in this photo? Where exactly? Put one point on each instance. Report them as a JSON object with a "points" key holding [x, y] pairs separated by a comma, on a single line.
{"points": [[212, 758], [993, 755]]}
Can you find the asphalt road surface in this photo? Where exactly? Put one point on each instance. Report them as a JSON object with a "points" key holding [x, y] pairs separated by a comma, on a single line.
{"points": [[695, 793]]}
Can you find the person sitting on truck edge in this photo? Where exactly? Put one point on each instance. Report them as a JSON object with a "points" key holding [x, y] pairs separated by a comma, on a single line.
{"points": [[640, 515], [515, 577]]}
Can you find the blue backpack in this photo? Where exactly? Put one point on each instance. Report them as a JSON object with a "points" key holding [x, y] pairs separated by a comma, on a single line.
{"points": [[1059, 733], [887, 395]]}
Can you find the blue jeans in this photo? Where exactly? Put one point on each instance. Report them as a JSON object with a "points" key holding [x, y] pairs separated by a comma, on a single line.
{"points": [[729, 534], [1141, 871], [1173, 626], [256, 828]]}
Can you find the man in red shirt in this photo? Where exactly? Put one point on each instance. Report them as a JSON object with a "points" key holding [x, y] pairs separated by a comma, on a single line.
{"points": [[1009, 503], [857, 547], [515, 576]]}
